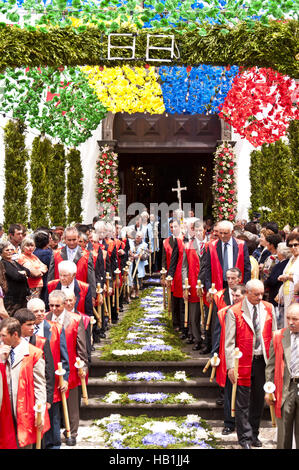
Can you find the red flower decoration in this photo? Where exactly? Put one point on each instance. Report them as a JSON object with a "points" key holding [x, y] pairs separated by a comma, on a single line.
{"points": [[260, 105]]}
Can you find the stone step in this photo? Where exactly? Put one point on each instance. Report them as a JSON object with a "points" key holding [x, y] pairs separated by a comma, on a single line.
{"points": [[199, 387], [206, 408], [192, 367]]}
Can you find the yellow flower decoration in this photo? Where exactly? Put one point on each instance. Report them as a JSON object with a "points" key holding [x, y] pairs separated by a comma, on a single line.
{"points": [[126, 89]]}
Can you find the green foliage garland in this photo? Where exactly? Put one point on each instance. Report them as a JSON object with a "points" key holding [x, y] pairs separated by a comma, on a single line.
{"points": [[57, 101], [224, 186], [16, 177], [74, 186], [57, 186], [275, 183], [39, 163], [273, 45]]}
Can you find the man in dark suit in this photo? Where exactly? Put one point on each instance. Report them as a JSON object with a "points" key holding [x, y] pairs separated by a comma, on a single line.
{"points": [[73, 252], [56, 336], [225, 253]]}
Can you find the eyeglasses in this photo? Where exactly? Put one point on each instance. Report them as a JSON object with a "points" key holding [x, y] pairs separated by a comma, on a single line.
{"points": [[55, 305], [293, 244]]}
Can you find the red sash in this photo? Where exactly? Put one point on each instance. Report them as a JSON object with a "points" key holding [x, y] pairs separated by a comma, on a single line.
{"points": [[177, 279], [279, 369], [221, 369], [216, 268], [193, 271], [71, 333], [7, 430]]}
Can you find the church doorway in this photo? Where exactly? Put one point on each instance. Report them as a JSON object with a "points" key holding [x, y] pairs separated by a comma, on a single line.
{"points": [[149, 178], [156, 150]]}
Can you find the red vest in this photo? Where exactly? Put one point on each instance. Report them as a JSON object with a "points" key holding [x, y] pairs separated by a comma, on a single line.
{"points": [[193, 271], [216, 268], [219, 300], [7, 430], [168, 251], [56, 330], [177, 279], [26, 429], [279, 369], [221, 369], [244, 340], [83, 292], [71, 333], [82, 265]]}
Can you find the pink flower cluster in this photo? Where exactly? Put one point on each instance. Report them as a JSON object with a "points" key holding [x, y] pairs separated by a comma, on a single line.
{"points": [[107, 179], [224, 187]]}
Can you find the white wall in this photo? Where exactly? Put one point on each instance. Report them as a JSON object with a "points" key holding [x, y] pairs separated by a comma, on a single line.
{"points": [[243, 149]]}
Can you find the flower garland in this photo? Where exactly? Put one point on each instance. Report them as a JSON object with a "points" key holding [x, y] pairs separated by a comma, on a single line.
{"points": [[224, 186], [195, 90], [107, 187], [126, 89], [260, 106]]}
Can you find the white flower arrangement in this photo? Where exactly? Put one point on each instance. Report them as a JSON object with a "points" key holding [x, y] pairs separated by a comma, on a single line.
{"points": [[127, 352], [183, 397], [161, 426], [111, 397], [111, 377], [180, 375]]}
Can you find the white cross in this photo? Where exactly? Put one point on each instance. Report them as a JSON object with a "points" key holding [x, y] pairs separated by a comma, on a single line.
{"points": [[179, 190]]}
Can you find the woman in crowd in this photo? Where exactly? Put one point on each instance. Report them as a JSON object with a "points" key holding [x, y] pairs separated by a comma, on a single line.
{"points": [[290, 275], [16, 275], [34, 264]]}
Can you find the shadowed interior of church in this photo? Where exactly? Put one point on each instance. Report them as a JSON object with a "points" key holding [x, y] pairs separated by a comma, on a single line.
{"points": [[150, 178], [157, 150]]}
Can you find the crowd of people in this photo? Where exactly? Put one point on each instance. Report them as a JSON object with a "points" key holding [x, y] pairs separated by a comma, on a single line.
{"points": [[61, 288]]}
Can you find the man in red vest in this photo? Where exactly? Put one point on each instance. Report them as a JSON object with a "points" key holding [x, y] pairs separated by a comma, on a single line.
{"points": [[283, 370], [238, 293], [27, 322], [190, 270], [76, 346], [56, 335], [225, 253], [175, 271], [73, 252], [25, 372], [249, 326], [7, 430], [67, 271]]}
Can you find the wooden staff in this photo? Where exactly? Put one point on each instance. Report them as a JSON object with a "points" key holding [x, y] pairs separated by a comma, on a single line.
{"points": [[163, 273], [214, 363], [212, 291], [207, 366], [186, 289], [60, 372], [108, 296], [137, 263], [39, 408], [150, 257], [125, 276], [113, 293], [79, 365], [92, 322], [117, 273], [237, 355], [169, 279], [128, 278], [269, 388], [200, 289], [99, 306]]}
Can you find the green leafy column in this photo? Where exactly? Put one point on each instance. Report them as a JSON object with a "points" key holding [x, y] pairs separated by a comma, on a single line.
{"points": [[16, 175], [39, 171], [57, 186], [74, 186]]}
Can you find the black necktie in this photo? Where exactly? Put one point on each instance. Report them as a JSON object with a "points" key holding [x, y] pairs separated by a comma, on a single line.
{"points": [[12, 356], [225, 261]]}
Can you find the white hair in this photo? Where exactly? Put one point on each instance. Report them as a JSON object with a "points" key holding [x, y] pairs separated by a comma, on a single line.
{"points": [[36, 302], [284, 250], [99, 225], [57, 294], [254, 284], [68, 266], [226, 224]]}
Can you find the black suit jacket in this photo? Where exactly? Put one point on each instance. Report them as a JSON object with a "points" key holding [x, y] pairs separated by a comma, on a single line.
{"points": [[247, 264], [49, 368]]}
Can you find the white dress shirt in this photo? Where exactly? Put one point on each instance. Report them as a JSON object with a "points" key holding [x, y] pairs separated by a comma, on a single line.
{"points": [[71, 287], [71, 253], [230, 258], [58, 319], [259, 350]]}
